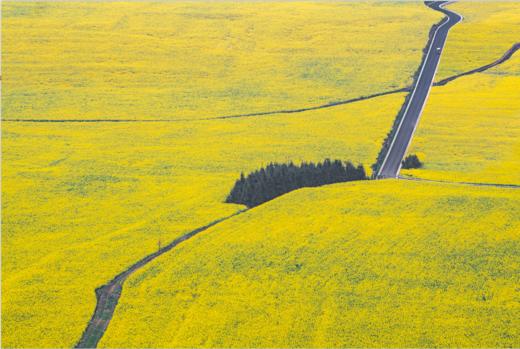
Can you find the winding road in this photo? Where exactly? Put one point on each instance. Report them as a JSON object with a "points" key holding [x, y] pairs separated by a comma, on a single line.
{"points": [[392, 162], [108, 295]]}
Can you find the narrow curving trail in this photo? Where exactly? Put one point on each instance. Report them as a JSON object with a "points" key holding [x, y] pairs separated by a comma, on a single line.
{"points": [[507, 55], [223, 117], [391, 164], [108, 295]]}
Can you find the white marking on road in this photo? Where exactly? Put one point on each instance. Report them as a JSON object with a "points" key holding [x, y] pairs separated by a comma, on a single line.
{"points": [[429, 90], [415, 88]]}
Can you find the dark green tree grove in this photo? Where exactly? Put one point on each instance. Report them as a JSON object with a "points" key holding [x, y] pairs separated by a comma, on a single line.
{"points": [[276, 179]]}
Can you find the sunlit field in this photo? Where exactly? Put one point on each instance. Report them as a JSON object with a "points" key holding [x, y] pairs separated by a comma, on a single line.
{"points": [[470, 128], [488, 30], [83, 201], [372, 264], [174, 60], [91, 199], [380, 263]]}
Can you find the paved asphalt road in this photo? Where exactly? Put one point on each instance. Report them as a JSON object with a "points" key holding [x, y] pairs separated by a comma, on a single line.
{"points": [[392, 162]]}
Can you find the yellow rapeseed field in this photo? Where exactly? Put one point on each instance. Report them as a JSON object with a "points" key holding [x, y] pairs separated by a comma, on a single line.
{"points": [[368, 264], [83, 201], [489, 29], [171, 60], [470, 128]]}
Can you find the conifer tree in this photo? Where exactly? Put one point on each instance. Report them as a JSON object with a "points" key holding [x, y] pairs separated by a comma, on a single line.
{"points": [[277, 179]]}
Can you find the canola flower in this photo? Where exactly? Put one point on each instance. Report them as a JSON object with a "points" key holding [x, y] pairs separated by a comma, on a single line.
{"points": [[488, 29], [177, 60], [361, 264], [81, 202], [470, 128]]}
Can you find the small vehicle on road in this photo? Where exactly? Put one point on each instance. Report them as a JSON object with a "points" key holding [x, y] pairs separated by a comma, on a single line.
{"points": [[438, 50]]}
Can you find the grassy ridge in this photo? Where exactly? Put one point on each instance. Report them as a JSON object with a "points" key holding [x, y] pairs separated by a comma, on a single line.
{"points": [[118, 60], [81, 202], [366, 264]]}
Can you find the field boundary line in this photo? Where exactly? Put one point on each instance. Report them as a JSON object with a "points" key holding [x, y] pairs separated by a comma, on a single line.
{"points": [[222, 117], [478, 184], [107, 296], [506, 56]]}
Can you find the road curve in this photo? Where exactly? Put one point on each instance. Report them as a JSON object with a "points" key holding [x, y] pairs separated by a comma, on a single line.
{"points": [[507, 55], [392, 162]]}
